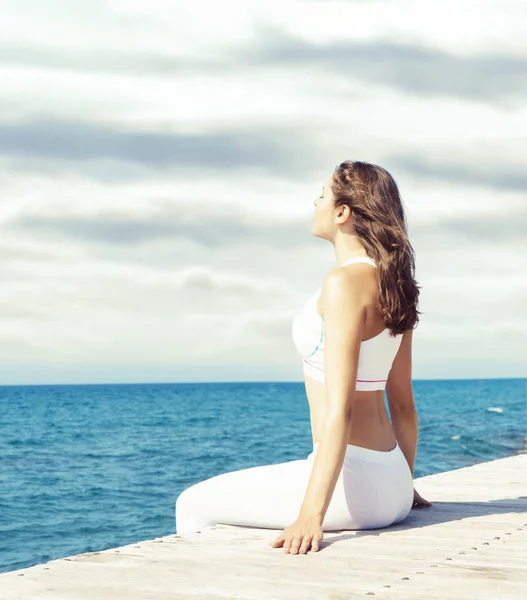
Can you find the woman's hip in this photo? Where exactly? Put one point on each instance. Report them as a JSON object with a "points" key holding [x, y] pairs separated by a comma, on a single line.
{"points": [[375, 488]]}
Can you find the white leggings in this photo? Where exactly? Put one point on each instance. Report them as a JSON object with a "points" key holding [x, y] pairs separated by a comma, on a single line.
{"points": [[374, 489]]}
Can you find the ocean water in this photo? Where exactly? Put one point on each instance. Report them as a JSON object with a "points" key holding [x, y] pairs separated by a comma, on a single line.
{"points": [[90, 467]]}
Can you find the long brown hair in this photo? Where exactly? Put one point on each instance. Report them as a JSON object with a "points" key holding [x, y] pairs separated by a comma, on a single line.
{"points": [[380, 223]]}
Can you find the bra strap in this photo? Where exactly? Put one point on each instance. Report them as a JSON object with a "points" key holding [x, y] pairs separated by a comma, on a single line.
{"points": [[366, 259]]}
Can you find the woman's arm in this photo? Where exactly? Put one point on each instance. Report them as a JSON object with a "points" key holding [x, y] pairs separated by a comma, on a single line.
{"points": [[401, 400], [344, 305]]}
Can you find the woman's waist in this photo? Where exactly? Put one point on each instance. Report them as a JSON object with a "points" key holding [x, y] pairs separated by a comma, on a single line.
{"points": [[367, 406], [372, 430], [362, 453]]}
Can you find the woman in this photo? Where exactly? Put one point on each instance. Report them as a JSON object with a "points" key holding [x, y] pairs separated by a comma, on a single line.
{"points": [[355, 337]]}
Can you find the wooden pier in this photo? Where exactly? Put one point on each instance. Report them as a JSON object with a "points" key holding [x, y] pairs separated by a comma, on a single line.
{"points": [[471, 544]]}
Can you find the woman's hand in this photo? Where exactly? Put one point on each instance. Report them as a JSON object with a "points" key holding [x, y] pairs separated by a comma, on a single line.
{"points": [[298, 537], [419, 500]]}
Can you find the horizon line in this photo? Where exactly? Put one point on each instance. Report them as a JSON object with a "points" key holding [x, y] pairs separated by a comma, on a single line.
{"points": [[239, 382]]}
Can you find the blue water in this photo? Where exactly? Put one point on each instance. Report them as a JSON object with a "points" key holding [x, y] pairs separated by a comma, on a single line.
{"points": [[90, 467]]}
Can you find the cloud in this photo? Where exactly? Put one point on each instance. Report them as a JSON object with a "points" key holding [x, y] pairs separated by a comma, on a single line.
{"points": [[279, 149], [223, 225], [110, 153], [99, 61], [490, 174], [408, 65], [158, 171], [411, 68], [202, 223], [501, 226]]}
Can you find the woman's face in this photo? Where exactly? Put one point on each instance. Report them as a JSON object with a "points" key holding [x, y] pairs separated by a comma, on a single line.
{"points": [[324, 225]]}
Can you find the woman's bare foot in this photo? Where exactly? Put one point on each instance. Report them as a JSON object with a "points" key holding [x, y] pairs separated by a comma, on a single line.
{"points": [[419, 500]]}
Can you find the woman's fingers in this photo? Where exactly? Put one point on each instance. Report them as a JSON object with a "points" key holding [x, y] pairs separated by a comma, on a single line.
{"points": [[295, 544], [278, 541], [299, 544], [298, 539], [306, 542]]}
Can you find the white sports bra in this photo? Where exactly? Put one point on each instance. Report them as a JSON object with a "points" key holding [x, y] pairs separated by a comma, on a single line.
{"points": [[376, 355]]}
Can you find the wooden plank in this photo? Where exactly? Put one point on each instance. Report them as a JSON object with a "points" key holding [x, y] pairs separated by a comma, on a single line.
{"points": [[472, 543]]}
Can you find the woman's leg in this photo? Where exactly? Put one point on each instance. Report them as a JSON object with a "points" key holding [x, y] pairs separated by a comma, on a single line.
{"points": [[268, 496], [374, 490]]}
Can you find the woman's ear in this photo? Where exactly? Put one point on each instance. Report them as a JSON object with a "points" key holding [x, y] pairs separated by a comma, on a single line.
{"points": [[344, 214]]}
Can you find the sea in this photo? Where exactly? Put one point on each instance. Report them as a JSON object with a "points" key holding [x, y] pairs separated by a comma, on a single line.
{"points": [[90, 467]]}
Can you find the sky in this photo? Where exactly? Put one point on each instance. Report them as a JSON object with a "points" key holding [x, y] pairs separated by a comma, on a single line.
{"points": [[159, 161]]}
